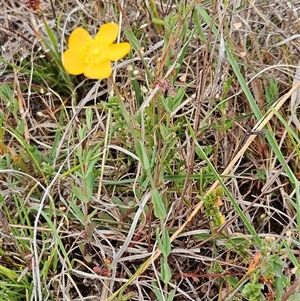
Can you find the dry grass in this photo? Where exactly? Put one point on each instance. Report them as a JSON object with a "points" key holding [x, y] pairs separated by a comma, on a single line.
{"points": [[211, 147]]}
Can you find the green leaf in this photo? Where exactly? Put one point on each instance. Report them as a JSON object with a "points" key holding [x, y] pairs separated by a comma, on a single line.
{"points": [[89, 118], [280, 282], [159, 242], [165, 270], [51, 35], [167, 103], [91, 164], [157, 292], [176, 101], [171, 295], [141, 152], [77, 211], [164, 131], [166, 242], [158, 205], [89, 183], [252, 291], [134, 42], [8, 273], [78, 192]]}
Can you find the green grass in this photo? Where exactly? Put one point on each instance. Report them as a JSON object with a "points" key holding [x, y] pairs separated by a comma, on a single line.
{"points": [[177, 178]]}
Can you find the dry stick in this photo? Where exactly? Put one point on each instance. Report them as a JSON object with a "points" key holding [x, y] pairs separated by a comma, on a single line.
{"points": [[19, 92], [292, 288], [259, 126]]}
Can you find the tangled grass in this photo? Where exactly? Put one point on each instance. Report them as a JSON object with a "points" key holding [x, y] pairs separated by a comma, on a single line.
{"points": [[175, 179]]}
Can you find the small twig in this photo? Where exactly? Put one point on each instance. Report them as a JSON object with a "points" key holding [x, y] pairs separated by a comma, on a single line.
{"points": [[53, 10], [16, 33], [288, 293]]}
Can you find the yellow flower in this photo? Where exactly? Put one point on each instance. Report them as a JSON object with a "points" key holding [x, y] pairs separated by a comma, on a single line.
{"points": [[93, 57]]}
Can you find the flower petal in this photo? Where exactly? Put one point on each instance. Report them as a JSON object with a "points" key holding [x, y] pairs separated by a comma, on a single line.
{"points": [[118, 51], [107, 33], [99, 71], [72, 62], [78, 38]]}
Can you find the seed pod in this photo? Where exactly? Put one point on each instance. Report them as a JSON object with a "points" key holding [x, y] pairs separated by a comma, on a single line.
{"points": [[33, 4]]}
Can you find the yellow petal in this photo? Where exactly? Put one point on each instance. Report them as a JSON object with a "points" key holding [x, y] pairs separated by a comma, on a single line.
{"points": [[72, 62], [78, 38], [118, 51], [107, 33], [99, 71]]}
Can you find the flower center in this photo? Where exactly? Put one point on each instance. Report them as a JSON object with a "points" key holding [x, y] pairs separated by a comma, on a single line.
{"points": [[94, 53]]}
